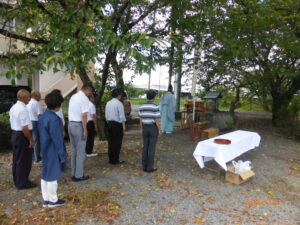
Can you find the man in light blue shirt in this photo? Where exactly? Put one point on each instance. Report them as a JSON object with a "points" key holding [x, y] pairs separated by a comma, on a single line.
{"points": [[115, 117]]}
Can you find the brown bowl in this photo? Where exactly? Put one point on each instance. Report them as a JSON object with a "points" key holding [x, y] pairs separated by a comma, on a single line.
{"points": [[222, 141]]}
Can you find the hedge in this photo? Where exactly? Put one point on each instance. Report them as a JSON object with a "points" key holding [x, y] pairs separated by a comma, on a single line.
{"points": [[4, 131]]}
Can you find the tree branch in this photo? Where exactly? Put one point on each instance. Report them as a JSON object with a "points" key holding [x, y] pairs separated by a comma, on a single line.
{"points": [[116, 17], [62, 3], [42, 7], [151, 8], [7, 55], [5, 6], [22, 38], [97, 11]]}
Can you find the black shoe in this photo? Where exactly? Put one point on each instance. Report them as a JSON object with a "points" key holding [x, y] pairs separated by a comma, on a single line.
{"points": [[28, 186], [80, 178], [152, 170], [59, 202]]}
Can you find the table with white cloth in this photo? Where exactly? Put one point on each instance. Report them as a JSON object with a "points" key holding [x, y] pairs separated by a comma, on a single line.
{"points": [[241, 142]]}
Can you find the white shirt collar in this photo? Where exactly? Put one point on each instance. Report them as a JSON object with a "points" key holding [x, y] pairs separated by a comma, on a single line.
{"points": [[81, 93], [21, 103], [32, 99]]}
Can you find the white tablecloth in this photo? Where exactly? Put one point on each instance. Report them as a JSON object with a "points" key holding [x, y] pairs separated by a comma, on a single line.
{"points": [[241, 141]]}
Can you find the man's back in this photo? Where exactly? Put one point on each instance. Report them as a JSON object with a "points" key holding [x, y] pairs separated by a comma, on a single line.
{"points": [[114, 111], [34, 109], [19, 116], [78, 104]]}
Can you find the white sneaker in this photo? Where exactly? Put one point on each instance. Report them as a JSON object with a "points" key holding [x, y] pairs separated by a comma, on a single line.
{"points": [[91, 155]]}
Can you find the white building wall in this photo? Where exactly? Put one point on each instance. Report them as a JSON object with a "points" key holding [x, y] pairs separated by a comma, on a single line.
{"points": [[49, 78], [46, 81]]}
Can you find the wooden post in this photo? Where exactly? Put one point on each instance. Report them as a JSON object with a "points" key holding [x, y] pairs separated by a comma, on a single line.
{"points": [[192, 130]]}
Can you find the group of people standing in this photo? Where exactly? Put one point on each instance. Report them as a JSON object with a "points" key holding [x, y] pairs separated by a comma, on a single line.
{"points": [[39, 136]]}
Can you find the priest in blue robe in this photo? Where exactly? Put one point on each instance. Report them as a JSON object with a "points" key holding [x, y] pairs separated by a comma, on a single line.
{"points": [[167, 110], [54, 153]]}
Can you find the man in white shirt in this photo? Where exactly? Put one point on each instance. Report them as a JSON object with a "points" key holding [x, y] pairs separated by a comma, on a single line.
{"points": [[78, 109], [91, 125], [22, 141], [115, 117], [34, 109]]}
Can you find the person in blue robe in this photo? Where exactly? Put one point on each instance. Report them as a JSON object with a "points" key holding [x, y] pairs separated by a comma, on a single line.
{"points": [[53, 150], [167, 109]]}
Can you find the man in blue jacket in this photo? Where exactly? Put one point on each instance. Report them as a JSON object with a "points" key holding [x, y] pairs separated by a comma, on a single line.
{"points": [[53, 150]]}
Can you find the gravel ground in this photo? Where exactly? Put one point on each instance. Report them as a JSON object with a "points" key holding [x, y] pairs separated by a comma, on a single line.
{"points": [[179, 192]]}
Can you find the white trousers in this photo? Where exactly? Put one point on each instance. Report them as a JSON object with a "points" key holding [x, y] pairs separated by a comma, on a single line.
{"points": [[49, 189]]}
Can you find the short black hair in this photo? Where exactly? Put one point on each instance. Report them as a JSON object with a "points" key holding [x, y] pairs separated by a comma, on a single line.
{"points": [[53, 100], [56, 91], [116, 92], [87, 87], [151, 94]]}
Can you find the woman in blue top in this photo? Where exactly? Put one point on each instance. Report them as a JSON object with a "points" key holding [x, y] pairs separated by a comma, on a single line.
{"points": [[53, 150]]}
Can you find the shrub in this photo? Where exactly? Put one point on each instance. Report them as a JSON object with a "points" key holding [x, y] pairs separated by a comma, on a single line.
{"points": [[4, 122], [294, 107], [294, 112], [229, 123], [4, 131]]}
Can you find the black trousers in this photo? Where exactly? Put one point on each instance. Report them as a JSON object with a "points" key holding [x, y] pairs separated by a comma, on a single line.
{"points": [[37, 154], [22, 159], [90, 138], [115, 137], [150, 133]]}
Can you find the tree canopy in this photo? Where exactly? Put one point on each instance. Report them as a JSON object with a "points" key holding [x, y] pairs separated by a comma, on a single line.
{"points": [[250, 44]]}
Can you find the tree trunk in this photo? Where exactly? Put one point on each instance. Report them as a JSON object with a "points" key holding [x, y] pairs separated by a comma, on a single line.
{"points": [[233, 106], [118, 73], [281, 97], [265, 103], [171, 62], [179, 76], [105, 73], [101, 124], [234, 103], [99, 101], [84, 76], [280, 108]]}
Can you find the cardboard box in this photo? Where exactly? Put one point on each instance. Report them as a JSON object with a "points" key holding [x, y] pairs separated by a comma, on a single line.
{"points": [[199, 127], [185, 120], [210, 133], [236, 178]]}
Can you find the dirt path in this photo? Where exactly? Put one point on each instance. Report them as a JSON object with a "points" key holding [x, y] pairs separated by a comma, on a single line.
{"points": [[178, 193]]}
